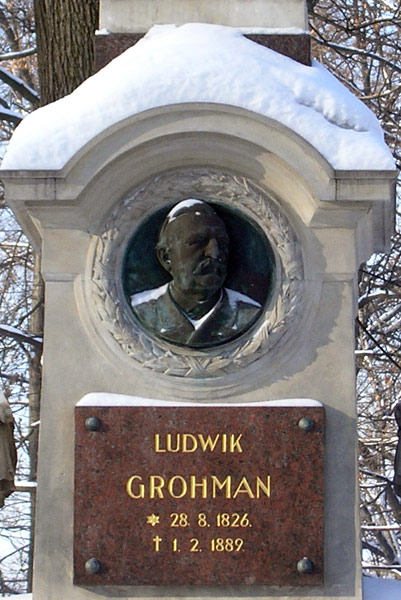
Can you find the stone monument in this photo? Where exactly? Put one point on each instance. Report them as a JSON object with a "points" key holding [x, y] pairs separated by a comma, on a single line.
{"points": [[202, 213]]}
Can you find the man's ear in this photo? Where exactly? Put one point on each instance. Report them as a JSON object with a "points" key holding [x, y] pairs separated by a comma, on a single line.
{"points": [[163, 256]]}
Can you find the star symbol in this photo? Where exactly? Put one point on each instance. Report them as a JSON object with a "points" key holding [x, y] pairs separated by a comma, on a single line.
{"points": [[153, 520]]}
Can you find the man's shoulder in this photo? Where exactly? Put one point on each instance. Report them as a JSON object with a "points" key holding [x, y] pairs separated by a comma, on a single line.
{"points": [[240, 309], [238, 301], [150, 305], [147, 297]]}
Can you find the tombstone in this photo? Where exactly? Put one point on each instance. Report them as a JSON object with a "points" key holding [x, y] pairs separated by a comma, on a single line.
{"points": [[202, 205]]}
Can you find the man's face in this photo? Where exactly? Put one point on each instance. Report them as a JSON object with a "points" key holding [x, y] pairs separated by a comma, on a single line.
{"points": [[198, 252]]}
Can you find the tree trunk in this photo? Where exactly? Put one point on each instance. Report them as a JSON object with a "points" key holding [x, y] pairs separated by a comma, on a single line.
{"points": [[65, 31], [36, 326]]}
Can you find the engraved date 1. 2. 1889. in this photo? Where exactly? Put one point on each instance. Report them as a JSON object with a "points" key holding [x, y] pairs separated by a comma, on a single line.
{"points": [[202, 520]]}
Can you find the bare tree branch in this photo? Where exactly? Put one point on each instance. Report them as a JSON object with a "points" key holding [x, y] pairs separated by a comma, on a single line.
{"points": [[20, 336], [352, 50], [19, 54], [10, 116], [19, 86]]}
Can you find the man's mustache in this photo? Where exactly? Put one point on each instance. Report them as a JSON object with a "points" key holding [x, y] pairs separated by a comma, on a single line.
{"points": [[210, 265]]}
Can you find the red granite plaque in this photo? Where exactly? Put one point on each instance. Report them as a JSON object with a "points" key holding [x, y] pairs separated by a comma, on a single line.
{"points": [[207, 496]]}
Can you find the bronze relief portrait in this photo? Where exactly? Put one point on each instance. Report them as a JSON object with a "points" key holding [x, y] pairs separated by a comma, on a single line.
{"points": [[198, 274]]}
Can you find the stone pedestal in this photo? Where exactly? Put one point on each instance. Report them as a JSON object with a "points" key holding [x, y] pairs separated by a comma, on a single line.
{"points": [[125, 15]]}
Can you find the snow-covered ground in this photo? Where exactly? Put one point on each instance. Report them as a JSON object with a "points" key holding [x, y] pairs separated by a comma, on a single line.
{"points": [[204, 63], [373, 589], [381, 589]]}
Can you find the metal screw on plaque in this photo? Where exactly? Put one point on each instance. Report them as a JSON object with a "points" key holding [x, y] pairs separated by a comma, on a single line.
{"points": [[305, 566], [92, 424], [305, 424], [92, 566]]}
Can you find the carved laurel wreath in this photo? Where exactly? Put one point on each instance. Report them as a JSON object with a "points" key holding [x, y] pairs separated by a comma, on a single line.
{"points": [[115, 316]]}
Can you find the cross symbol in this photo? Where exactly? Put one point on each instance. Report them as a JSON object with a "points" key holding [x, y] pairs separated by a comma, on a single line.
{"points": [[156, 540]]}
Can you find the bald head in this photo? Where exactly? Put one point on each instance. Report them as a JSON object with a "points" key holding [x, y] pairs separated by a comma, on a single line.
{"points": [[191, 206]]}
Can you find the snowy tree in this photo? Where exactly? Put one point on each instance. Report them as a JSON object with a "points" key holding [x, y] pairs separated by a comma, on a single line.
{"points": [[64, 33], [18, 94], [360, 43], [19, 357]]}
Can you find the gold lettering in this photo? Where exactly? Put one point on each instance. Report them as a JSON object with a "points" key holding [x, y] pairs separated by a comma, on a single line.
{"points": [[155, 488], [187, 442], [220, 485], [141, 488], [170, 486], [261, 485], [234, 443], [193, 485], [208, 443], [192, 438], [224, 443], [177, 443], [243, 488], [157, 443]]}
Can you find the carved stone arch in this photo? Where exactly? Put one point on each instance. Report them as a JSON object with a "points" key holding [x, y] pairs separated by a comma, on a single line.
{"points": [[221, 136]]}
